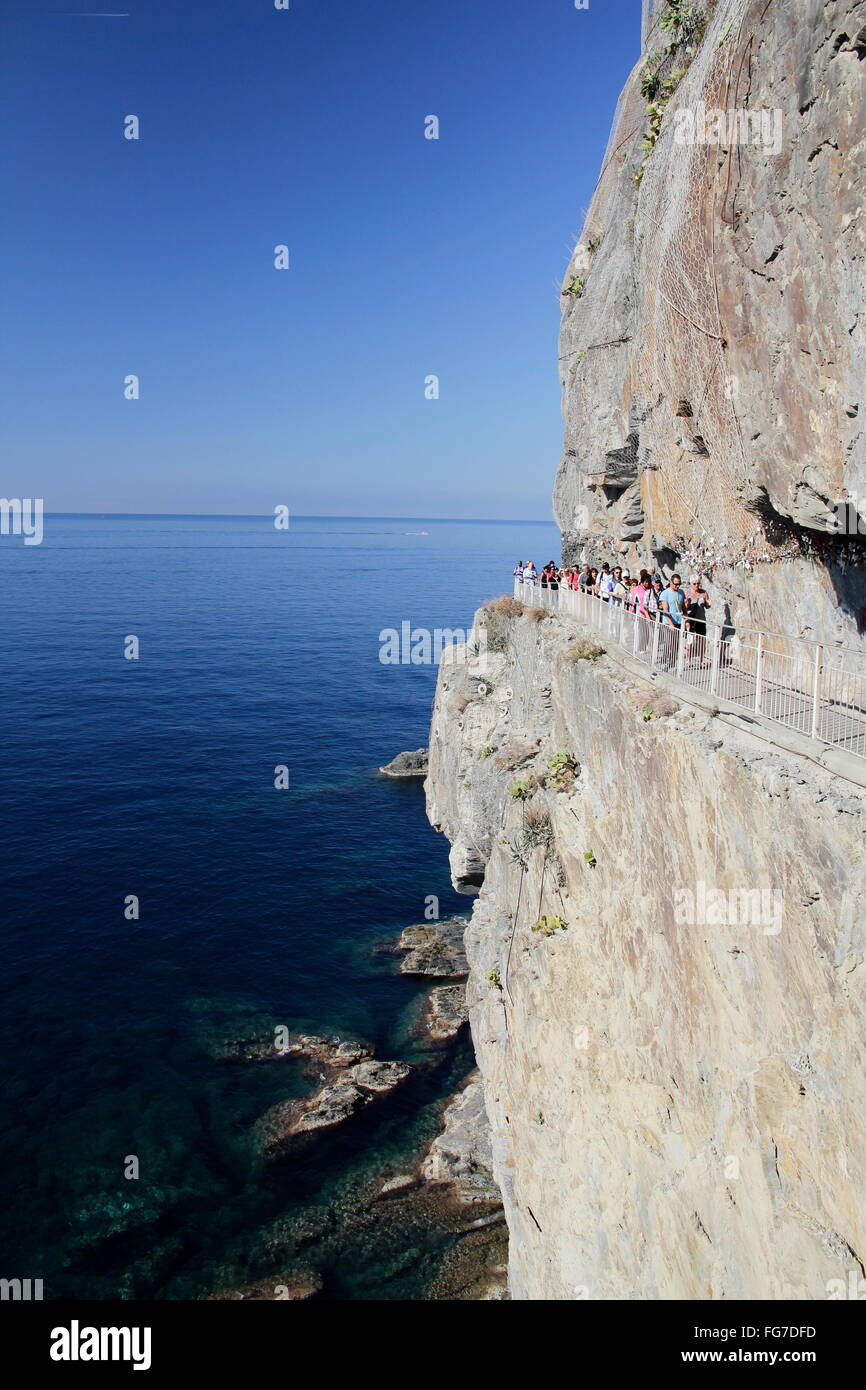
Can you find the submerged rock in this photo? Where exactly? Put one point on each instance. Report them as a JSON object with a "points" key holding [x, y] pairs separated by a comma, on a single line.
{"points": [[309, 1047], [339, 1097], [475, 1269], [400, 1183], [444, 1012], [407, 764], [434, 948], [294, 1286], [111, 1216]]}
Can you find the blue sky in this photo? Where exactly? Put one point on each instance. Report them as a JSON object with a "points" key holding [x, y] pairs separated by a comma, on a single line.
{"points": [[409, 257]]}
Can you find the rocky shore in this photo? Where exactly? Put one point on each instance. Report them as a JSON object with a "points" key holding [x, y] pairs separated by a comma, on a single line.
{"points": [[435, 948], [438, 1217], [443, 1013], [349, 1079], [407, 764]]}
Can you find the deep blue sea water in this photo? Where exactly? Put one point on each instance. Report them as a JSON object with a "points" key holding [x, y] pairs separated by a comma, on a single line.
{"points": [[258, 906]]}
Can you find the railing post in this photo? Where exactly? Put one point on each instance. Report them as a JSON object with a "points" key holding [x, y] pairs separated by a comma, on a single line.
{"points": [[816, 691], [655, 650], [681, 649], [621, 638], [759, 672], [717, 654]]}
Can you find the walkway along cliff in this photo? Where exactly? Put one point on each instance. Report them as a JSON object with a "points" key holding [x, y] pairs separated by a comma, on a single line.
{"points": [[668, 988]]}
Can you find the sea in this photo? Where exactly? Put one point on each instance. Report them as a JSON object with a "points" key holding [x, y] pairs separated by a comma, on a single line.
{"points": [[198, 847]]}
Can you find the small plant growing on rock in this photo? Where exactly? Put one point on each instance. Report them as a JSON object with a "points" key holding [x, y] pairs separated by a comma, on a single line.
{"points": [[521, 789], [467, 784], [586, 651], [647, 713], [486, 751], [537, 830], [649, 81], [575, 286], [494, 979], [589, 856], [498, 613], [680, 21], [671, 83], [685, 23], [505, 607], [548, 925], [518, 854], [563, 770]]}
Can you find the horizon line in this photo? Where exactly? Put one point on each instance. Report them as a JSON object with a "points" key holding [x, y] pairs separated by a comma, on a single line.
{"points": [[305, 516]]}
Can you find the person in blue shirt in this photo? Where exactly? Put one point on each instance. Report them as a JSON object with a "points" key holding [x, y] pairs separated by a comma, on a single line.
{"points": [[672, 602]]}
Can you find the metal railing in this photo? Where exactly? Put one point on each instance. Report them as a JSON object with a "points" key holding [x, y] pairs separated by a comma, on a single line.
{"points": [[813, 689]]}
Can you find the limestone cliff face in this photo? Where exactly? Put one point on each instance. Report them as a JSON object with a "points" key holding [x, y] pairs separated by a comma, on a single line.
{"points": [[667, 989], [677, 1104], [713, 344]]}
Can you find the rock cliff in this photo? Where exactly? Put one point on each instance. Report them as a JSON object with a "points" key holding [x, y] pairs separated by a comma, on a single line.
{"points": [[667, 987], [713, 345]]}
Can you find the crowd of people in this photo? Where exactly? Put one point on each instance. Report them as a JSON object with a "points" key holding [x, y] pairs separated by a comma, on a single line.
{"points": [[646, 594]]}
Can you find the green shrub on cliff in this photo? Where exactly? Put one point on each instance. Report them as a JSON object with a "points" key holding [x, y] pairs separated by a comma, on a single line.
{"points": [[686, 25], [649, 81], [548, 925], [681, 21], [522, 788]]}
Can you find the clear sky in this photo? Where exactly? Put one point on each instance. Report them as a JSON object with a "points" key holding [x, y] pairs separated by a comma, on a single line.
{"points": [[408, 257]]}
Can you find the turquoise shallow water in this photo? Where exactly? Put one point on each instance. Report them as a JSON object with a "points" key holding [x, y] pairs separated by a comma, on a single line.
{"points": [[258, 906]]}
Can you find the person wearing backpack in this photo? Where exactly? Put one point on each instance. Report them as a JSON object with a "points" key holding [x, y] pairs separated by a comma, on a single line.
{"points": [[652, 602]]}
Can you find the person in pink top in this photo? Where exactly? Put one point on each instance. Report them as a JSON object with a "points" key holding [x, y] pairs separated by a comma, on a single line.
{"points": [[639, 594]]}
